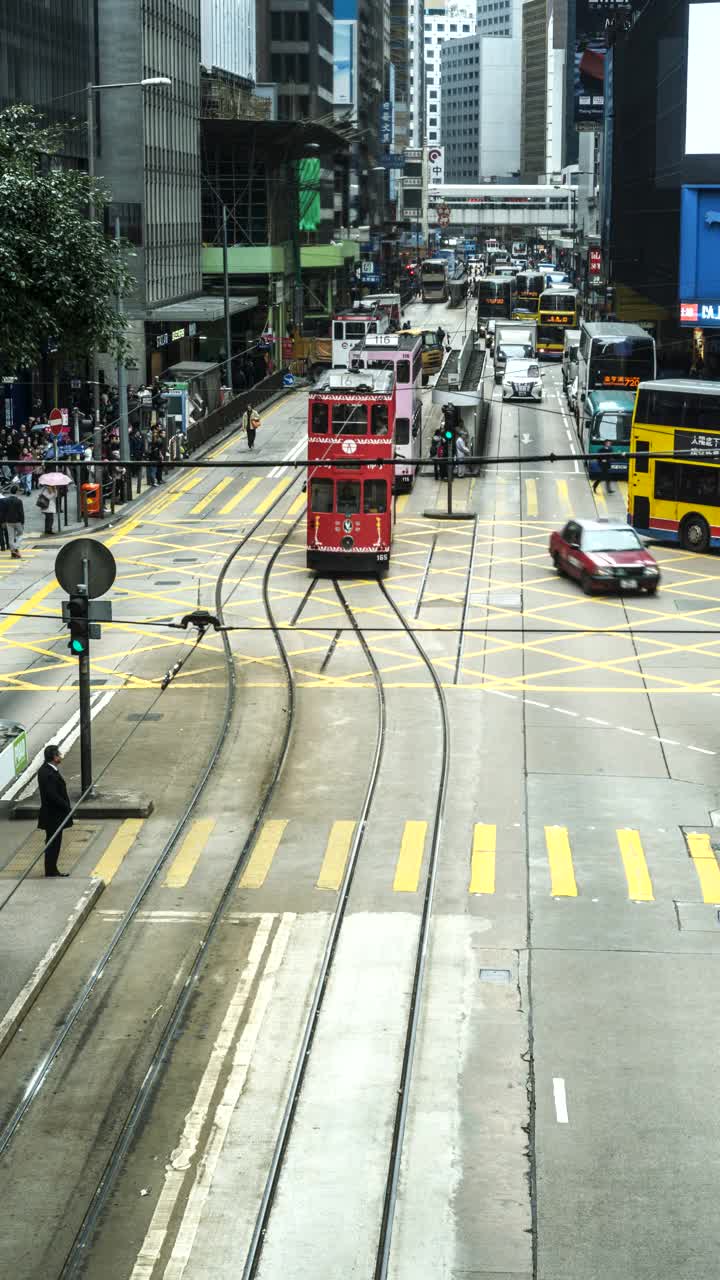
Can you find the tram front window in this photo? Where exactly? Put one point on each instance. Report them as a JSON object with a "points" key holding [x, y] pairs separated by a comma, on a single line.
{"points": [[348, 498], [349, 419], [319, 419], [321, 495], [375, 497], [379, 420]]}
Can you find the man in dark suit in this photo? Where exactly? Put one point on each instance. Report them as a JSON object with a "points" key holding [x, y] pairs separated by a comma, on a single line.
{"points": [[54, 806]]}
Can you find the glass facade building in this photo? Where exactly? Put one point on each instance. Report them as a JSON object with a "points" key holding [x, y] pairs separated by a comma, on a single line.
{"points": [[46, 59]]}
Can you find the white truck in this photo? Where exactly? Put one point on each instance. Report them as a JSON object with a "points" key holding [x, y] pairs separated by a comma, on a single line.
{"points": [[514, 340]]}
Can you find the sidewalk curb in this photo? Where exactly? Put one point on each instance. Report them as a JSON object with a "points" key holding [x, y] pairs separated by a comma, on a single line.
{"points": [[136, 504], [54, 954]]}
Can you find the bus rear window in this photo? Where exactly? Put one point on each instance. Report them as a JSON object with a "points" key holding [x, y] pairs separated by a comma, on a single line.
{"points": [[403, 372], [670, 409], [611, 426], [321, 496]]}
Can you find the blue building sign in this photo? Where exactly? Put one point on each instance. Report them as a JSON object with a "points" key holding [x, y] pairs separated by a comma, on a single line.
{"points": [[700, 257]]}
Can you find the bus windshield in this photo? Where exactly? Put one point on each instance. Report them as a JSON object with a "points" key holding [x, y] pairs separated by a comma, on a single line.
{"points": [[621, 363], [562, 302], [614, 427]]}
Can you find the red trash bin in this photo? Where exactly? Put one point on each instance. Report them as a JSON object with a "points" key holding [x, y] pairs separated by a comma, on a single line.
{"points": [[91, 499]]}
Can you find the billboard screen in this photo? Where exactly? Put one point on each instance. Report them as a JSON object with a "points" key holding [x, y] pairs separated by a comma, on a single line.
{"points": [[701, 130], [592, 20], [344, 64]]}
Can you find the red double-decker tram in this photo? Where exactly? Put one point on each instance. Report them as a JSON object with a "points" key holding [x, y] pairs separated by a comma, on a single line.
{"points": [[351, 416]]}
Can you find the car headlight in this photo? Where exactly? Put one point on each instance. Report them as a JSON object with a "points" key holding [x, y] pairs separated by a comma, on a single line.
{"points": [[603, 573], [652, 570]]}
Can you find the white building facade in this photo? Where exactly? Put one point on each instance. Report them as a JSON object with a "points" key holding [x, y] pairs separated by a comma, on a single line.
{"points": [[444, 20], [416, 76], [481, 97], [227, 36]]}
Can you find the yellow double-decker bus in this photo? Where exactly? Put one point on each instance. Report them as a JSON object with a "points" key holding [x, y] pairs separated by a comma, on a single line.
{"points": [[557, 311], [676, 498]]}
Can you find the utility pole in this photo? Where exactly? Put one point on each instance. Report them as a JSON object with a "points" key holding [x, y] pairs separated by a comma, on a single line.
{"points": [[90, 107], [226, 295]]}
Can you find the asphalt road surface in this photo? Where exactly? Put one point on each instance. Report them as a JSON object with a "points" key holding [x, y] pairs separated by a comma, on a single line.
{"points": [[560, 1112]]}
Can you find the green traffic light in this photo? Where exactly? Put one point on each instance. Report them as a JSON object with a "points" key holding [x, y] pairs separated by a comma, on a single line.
{"points": [[78, 646], [448, 435]]}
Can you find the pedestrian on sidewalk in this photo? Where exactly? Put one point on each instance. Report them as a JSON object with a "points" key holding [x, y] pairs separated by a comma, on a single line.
{"points": [[4, 540], [605, 461], [436, 452], [13, 517], [461, 453], [25, 469], [251, 422], [54, 807], [47, 501], [156, 455]]}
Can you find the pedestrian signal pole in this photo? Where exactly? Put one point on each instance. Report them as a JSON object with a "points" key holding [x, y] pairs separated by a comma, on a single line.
{"points": [[79, 645]]}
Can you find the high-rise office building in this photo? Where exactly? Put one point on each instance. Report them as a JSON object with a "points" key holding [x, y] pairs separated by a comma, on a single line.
{"points": [[227, 38], [480, 95], [549, 139], [297, 56], [444, 20], [416, 72]]}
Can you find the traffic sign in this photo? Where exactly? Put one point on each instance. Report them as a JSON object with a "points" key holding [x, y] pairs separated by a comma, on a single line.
{"points": [[80, 555], [57, 421]]}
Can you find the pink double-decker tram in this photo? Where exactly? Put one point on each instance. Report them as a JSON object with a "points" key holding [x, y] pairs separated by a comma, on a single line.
{"points": [[351, 417]]}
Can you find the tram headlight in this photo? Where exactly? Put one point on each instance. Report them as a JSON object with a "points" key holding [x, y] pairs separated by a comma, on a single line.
{"points": [[347, 543]]}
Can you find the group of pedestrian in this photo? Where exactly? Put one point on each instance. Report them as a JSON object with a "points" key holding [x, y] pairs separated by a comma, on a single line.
{"points": [[22, 457], [446, 453]]}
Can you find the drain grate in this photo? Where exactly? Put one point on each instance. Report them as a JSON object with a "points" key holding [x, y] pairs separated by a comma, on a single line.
{"points": [[495, 975], [148, 715], [185, 559], [93, 681], [167, 582]]}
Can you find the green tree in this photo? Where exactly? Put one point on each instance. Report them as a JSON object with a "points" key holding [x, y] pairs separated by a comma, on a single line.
{"points": [[59, 274]]}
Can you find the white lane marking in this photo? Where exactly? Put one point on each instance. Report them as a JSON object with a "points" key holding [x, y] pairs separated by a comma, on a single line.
{"points": [[65, 737], [668, 742], [561, 1111], [498, 694], [639, 732], [594, 720], [566, 420], [532, 703], [294, 452], [702, 751], [563, 712], [207, 1163]]}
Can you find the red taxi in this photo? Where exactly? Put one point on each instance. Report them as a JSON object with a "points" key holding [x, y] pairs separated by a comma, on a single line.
{"points": [[604, 557]]}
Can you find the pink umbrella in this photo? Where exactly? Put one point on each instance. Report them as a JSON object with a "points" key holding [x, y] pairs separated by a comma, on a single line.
{"points": [[54, 478]]}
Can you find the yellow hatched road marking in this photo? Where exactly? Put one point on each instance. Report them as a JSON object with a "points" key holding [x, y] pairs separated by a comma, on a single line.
{"points": [[184, 862], [336, 853], [407, 870], [636, 871], [401, 503], [563, 496], [211, 496], [623, 489], [262, 855], [482, 875], [118, 848], [268, 500], [562, 876], [706, 865], [297, 506], [531, 498], [247, 488], [28, 605]]}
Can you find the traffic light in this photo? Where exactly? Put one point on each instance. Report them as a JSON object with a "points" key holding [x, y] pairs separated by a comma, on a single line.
{"points": [[79, 643]]}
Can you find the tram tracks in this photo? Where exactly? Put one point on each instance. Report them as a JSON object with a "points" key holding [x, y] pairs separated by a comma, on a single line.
{"points": [[386, 1215], [75, 1020]]}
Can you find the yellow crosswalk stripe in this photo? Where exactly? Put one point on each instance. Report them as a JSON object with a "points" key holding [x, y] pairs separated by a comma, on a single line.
{"points": [[563, 497], [531, 498], [562, 875], [482, 871], [623, 490], [706, 865], [336, 854], [268, 500], [407, 869], [401, 503], [297, 506], [185, 860], [636, 871], [600, 503], [233, 503], [211, 496], [118, 848], [262, 855]]}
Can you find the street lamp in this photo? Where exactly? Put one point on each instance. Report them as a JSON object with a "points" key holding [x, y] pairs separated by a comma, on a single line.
{"points": [[90, 91]]}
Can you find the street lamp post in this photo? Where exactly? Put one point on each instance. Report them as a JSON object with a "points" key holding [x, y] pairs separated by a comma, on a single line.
{"points": [[90, 91]]}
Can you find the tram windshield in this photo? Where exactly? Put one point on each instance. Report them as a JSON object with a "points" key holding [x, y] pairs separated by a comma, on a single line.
{"points": [[348, 498], [321, 495], [349, 419], [379, 419], [375, 497], [319, 419]]}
